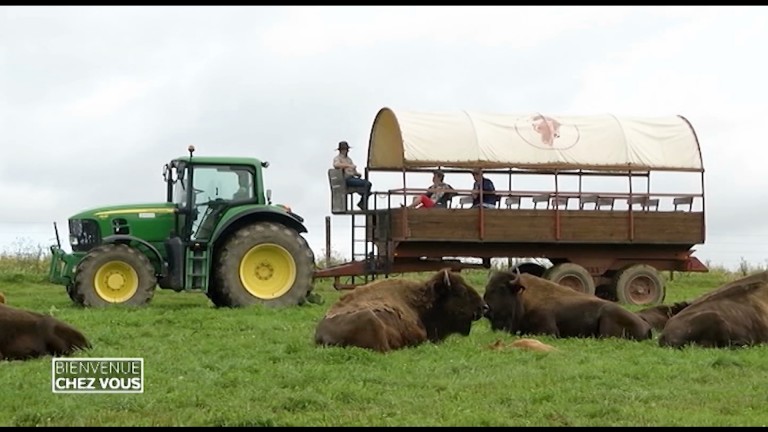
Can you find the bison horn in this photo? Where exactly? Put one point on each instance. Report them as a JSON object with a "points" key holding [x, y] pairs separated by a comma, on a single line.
{"points": [[447, 278]]}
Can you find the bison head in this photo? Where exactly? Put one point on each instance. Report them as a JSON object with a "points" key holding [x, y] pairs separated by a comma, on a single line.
{"points": [[502, 295], [453, 306]]}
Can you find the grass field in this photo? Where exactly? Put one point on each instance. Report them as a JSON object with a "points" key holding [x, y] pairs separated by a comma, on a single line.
{"points": [[258, 367]]}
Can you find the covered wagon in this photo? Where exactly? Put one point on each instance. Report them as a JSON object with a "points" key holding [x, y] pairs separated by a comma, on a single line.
{"points": [[622, 199]]}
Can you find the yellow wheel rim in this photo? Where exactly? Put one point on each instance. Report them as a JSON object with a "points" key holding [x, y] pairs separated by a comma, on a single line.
{"points": [[116, 282], [267, 271]]}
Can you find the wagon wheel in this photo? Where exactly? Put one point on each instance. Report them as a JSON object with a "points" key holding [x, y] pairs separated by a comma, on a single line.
{"points": [[572, 276], [641, 285]]}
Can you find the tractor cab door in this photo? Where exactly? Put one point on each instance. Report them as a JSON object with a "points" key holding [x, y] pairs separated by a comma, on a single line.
{"points": [[177, 178], [214, 187], [202, 193], [178, 193]]}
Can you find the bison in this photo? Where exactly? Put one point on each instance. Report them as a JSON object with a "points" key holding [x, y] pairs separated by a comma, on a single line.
{"points": [[25, 335], [657, 316], [735, 314], [527, 304], [395, 313]]}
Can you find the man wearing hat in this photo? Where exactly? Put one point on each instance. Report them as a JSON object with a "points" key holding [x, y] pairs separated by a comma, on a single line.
{"points": [[353, 177], [486, 185]]}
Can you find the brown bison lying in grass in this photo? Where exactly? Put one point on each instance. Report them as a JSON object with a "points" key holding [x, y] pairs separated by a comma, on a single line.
{"points": [[657, 316], [390, 314], [26, 335], [735, 314], [527, 304]]}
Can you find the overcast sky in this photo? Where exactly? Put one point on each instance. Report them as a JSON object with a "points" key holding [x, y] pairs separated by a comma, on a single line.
{"points": [[94, 100]]}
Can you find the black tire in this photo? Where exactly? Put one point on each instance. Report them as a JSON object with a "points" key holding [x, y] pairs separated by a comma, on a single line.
{"points": [[73, 295], [573, 276], [606, 292], [123, 267], [531, 268], [640, 285], [283, 274]]}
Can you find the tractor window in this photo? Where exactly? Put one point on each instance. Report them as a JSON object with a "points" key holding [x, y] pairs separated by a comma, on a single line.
{"points": [[180, 192], [244, 185], [176, 175], [211, 183], [227, 183]]}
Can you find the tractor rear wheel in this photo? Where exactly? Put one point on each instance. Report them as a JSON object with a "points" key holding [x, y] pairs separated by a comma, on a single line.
{"points": [[264, 263], [113, 274]]}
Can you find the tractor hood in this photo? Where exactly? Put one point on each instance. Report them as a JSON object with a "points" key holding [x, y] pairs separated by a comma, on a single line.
{"points": [[142, 210], [148, 222]]}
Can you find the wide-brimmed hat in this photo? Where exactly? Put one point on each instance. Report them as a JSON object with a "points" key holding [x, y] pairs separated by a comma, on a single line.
{"points": [[343, 146]]}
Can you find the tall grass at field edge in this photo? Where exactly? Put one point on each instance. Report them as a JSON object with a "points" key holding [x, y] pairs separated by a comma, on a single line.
{"points": [[28, 262]]}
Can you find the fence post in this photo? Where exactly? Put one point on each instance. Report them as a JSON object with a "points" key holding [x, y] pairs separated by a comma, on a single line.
{"points": [[327, 241]]}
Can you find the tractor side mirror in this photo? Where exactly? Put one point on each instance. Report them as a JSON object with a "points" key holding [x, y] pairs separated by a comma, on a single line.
{"points": [[165, 172]]}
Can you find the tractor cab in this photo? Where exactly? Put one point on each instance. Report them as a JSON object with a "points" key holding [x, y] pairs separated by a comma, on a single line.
{"points": [[203, 188]]}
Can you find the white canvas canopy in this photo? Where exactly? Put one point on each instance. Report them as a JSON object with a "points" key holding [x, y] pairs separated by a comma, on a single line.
{"points": [[405, 139]]}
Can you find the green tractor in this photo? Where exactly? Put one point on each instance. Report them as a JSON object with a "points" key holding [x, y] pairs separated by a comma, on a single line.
{"points": [[217, 233]]}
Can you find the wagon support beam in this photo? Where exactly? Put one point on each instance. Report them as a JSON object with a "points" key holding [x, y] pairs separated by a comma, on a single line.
{"points": [[399, 265]]}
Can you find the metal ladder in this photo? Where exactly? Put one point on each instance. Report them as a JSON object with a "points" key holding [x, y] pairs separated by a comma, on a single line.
{"points": [[360, 241], [198, 263]]}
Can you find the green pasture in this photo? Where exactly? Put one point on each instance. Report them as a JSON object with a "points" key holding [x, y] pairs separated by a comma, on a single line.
{"points": [[258, 367]]}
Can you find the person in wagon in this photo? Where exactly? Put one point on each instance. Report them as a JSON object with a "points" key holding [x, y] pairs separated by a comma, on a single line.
{"points": [[352, 176], [489, 190], [438, 194]]}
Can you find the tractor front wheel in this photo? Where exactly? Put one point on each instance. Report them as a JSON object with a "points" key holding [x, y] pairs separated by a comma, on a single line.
{"points": [[113, 274], [264, 263]]}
